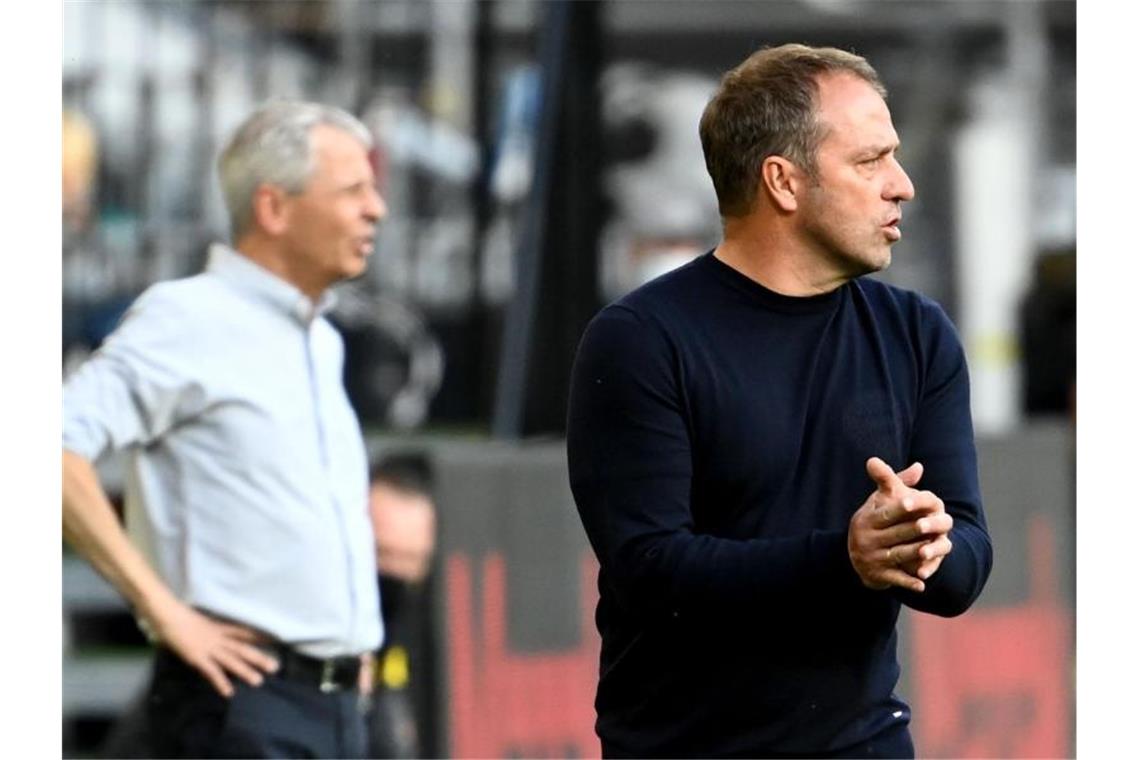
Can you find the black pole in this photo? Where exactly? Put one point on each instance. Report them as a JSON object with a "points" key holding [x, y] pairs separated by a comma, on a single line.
{"points": [[557, 254]]}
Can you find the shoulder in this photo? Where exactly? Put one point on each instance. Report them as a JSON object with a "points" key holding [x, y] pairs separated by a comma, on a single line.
{"points": [[883, 295], [177, 298], [920, 322], [184, 315], [918, 310], [661, 306], [670, 290], [167, 305]]}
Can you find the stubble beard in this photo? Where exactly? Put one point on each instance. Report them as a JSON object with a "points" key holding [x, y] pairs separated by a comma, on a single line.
{"points": [[844, 250]]}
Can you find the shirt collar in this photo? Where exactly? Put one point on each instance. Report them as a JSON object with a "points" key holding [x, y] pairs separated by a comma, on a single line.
{"points": [[254, 279]]}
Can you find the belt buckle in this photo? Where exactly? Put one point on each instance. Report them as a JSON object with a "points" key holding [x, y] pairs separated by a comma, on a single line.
{"points": [[328, 670]]}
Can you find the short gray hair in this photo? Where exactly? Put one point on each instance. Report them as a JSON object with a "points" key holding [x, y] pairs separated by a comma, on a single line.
{"points": [[273, 146]]}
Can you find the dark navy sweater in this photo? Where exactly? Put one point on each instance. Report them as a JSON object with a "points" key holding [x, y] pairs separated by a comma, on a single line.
{"points": [[717, 440]]}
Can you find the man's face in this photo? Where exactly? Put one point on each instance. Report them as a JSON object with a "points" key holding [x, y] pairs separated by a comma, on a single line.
{"points": [[332, 222], [851, 215], [403, 528]]}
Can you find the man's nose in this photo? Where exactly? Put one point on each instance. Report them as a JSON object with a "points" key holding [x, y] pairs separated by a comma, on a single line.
{"points": [[375, 209], [899, 188]]}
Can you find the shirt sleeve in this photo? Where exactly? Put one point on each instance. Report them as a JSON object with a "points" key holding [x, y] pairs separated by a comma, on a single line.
{"points": [[630, 464], [135, 386], [943, 440]]}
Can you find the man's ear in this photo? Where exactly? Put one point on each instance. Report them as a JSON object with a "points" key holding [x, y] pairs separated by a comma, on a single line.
{"points": [[271, 209], [782, 181]]}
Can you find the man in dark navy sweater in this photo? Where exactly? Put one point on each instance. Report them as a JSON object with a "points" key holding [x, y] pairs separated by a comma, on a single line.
{"points": [[748, 433]]}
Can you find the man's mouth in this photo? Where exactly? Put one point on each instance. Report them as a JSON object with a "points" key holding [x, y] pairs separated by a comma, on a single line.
{"points": [[891, 228]]}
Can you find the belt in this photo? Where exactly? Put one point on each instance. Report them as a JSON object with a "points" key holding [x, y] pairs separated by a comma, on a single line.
{"points": [[328, 675]]}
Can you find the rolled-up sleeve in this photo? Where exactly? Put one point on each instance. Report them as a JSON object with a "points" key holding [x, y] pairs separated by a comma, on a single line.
{"points": [[134, 387]]}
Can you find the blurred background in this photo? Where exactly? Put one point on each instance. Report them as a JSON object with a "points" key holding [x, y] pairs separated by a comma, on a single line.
{"points": [[540, 159]]}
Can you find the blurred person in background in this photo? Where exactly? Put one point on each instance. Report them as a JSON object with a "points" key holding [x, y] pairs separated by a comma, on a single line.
{"points": [[404, 523], [80, 159], [249, 560], [747, 435], [1047, 333]]}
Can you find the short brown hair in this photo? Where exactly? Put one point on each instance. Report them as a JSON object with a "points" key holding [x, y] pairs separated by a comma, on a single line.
{"points": [[767, 106]]}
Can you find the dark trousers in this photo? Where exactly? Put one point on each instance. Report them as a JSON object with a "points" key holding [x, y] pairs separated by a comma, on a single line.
{"points": [[187, 718]]}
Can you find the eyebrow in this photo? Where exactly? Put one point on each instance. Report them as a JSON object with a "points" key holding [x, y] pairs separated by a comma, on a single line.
{"points": [[875, 151], [356, 184]]}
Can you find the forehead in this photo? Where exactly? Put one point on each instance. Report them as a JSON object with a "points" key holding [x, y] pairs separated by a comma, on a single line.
{"points": [[856, 115], [334, 147]]}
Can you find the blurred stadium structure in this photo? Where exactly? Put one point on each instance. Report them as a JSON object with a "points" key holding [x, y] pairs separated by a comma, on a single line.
{"points": [[539, 159]]}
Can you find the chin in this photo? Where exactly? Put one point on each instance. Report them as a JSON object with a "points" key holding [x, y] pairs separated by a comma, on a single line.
{"points": [[353, 269], [875, 260], [857, 266]]}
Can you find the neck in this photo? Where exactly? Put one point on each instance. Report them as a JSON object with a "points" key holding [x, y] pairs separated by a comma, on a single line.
{"points": [[270, 255], [765, 250]]}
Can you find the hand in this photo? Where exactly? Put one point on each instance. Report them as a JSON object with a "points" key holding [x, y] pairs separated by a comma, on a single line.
{"points": [[897, 537], [212, 647]]}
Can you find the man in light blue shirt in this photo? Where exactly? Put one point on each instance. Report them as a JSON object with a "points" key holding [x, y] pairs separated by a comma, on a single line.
{"points": [[249, 557]]}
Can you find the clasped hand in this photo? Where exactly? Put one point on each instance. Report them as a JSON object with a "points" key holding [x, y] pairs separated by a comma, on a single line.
{"points": [[899, 536]]}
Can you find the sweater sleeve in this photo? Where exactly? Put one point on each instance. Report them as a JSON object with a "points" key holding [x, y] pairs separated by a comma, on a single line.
{"points": [[630, 463], [943, 440]]}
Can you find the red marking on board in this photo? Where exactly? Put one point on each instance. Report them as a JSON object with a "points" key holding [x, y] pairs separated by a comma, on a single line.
{"points": [[511, 704], [997, 682]]}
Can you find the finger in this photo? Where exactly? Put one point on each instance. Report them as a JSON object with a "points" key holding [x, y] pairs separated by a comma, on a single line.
{"points": [[233, 663], [927, 569], [884, 477], [910, 508], [893, 513], [903, 555], [938, 524], [911, 475], [256, 657], [917, 503], [929, 557], [217, 678], [939, 547], [240, 632], [908, 531], [903, 579], [929, 501], [243, 641]]}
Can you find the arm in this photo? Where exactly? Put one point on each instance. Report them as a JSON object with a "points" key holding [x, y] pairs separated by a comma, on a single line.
{"points": [[630, 460], [116, 400], [943, 441], [91, 526]]}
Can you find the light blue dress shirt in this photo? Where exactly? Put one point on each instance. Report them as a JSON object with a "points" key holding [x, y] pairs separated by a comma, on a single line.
{"points": [[246, 477]]}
